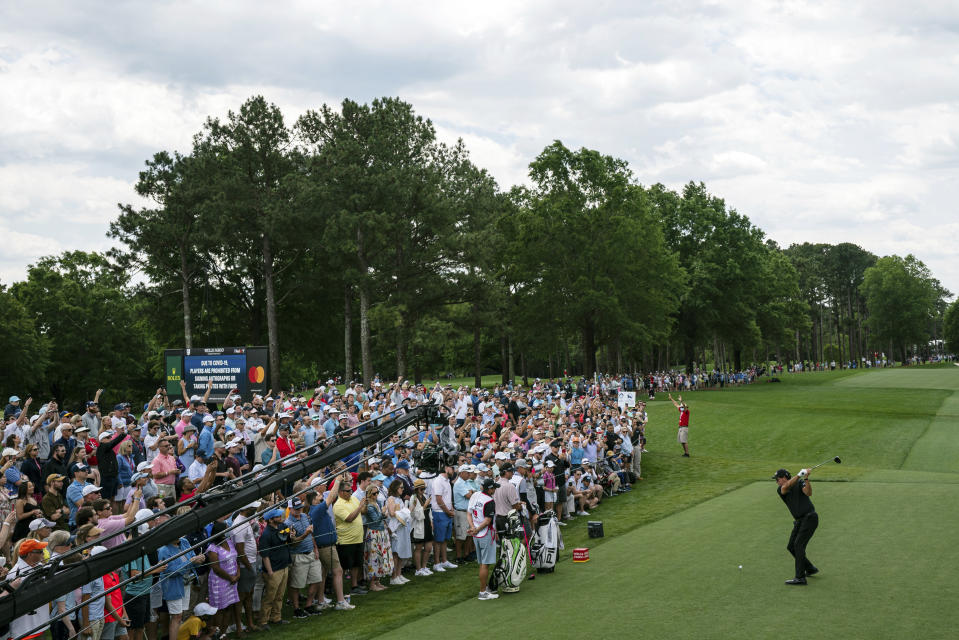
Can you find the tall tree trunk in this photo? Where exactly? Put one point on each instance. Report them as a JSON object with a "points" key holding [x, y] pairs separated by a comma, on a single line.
{"points": [[717, 355], [366, 356], [504, 360], [589, 348], [187, 313], [348, 331], [619, 356], [401, 347], [738, 357], [273, 336], [839, 334], [512, 368], [797, 346], [477, 349]]}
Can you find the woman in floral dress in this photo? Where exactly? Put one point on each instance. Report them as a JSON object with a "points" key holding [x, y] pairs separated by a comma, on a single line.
{"points": [[377, 554]]}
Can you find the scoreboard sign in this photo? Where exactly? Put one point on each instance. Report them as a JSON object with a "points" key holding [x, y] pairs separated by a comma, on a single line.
{"points": [[243, 368]]}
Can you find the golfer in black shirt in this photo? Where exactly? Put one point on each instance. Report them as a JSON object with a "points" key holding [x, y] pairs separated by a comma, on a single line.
{"points": [[795, 492]]}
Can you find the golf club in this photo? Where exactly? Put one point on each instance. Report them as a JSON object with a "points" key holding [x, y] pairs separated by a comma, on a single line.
{"points": [[836, 460]]}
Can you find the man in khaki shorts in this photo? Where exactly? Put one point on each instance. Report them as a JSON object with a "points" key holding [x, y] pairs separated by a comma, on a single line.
{"points": [[306, 572], [324, 537], [682, 436], [462, 492]]}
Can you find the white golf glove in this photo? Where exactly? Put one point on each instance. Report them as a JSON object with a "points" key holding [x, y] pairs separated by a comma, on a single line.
{"points": [[803, 473]]}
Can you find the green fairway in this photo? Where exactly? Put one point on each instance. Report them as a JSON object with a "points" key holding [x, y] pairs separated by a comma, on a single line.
{"points": [[679, 577], [668, 566], [906, 378]]}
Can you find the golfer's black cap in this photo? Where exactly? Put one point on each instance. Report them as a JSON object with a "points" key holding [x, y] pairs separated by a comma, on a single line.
{"points": [[556, 443], [489, 483], [782, 473], [506, 468]]}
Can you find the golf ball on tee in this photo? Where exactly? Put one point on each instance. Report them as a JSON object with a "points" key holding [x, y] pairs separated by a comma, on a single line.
{"points": [[740, 566]]}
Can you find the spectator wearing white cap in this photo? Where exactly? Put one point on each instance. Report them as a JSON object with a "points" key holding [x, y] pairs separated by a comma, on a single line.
{"points": [[462, 492], [92, 614]]}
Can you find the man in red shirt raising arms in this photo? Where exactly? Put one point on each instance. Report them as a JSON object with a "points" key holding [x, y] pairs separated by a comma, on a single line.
{"points": [[683, 434]]}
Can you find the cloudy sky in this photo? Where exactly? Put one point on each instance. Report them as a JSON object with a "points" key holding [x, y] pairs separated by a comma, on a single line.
{"points": [[821, 121]]}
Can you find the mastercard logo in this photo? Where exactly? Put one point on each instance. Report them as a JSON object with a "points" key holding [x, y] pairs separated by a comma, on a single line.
{"points": [[256, 374]]}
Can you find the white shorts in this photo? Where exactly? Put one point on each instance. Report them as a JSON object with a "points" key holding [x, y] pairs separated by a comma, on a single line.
{"points": [[549, 496], [179, 605], [460, 524], [682, 436]]}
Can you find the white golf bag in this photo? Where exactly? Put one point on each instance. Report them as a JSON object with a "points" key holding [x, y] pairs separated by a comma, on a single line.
{"points": [[547, 543], [513, 561]]}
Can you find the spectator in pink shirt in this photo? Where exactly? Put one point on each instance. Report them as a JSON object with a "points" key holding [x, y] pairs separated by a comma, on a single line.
{"points": [[165, 470]]}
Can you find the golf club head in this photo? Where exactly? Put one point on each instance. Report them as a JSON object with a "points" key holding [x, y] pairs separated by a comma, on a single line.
{"points": [[837, 460]]}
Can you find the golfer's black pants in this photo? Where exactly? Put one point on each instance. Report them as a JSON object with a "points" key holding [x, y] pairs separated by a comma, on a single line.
{"points": [[799, 538]]}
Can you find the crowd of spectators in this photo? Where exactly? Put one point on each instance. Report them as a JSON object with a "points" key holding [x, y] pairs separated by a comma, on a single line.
{"points": [[375, 520]]}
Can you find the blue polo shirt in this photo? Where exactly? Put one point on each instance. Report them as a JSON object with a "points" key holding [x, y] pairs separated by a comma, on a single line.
{"points": [[299, 526], [324, 529]]}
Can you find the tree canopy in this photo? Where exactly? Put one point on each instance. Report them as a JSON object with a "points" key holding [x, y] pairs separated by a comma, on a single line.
{"points": [[352, 229]]}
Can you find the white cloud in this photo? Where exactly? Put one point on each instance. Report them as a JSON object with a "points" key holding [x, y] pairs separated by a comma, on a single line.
{"points": [[821, 121]]}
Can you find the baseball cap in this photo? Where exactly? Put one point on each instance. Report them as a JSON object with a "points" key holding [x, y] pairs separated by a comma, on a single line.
{"points": [[273, 513], [143, 514], [9, 451], [39, 523], [462, 468], [296, 504], [489, 483], [208, 418], [29, 545], [402, 464], [91, 488], [204, 609], [782, 473], [506, 468]]}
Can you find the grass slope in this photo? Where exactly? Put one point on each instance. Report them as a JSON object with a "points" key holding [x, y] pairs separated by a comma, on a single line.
{"points": [[679, 577], [694, 517]]}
